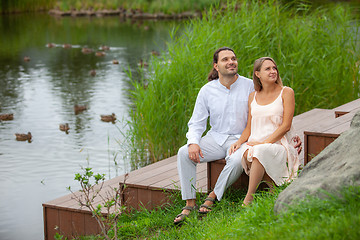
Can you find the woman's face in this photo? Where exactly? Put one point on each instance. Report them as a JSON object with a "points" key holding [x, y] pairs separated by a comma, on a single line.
{"points": [[268, 72]]}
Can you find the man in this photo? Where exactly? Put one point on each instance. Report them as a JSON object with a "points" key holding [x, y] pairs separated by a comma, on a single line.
{"points": [[224, 99]]}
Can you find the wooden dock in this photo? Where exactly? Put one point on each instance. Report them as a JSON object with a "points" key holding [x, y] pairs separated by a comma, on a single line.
{"points": [[149, 186]]}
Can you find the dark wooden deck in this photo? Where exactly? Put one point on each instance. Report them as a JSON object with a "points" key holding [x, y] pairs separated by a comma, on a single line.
{"points": [[149, 186]]}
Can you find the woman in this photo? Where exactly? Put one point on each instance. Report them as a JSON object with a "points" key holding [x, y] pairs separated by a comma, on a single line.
{"points": [[268, 156]]}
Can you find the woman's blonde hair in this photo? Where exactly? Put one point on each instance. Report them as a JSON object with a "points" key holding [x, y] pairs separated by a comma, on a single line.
{"points": [[257, 66]]}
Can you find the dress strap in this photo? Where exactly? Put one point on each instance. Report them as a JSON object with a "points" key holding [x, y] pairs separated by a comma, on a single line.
{"points": [[281, 92], [254, 100]]}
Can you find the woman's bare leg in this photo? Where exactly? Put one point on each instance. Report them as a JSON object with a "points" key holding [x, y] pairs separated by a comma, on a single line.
{"points": [[248, 164], [257, 172], [269, 182]]}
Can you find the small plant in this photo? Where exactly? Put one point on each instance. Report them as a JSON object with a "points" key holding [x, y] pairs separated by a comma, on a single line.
{"points": [[107, 212]]}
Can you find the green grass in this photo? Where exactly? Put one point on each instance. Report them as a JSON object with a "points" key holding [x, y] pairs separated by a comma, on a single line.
{"points": [[313, 218], [25, 5], [317, 53]]}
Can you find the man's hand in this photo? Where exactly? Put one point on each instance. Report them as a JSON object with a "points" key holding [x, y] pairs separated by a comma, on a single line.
{"points": [[297, 143], [195, 152]]}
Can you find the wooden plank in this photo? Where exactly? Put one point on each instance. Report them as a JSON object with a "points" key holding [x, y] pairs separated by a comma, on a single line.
{"points": [[348, 107], [166, 178], [174, 182], [339, 128], [340, 113], [326, 125], [320, 135], [91, 225], [51, 222], [168, 183], [149, 174], [156, 177], [158, 198], [133, 175], [144, 197], [131, 197], [315, 115], [316, 142], [65, 226], [78, 224]]}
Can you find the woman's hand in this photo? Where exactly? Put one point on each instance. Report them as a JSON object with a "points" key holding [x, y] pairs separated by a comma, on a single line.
{"points": [[234, 147]]}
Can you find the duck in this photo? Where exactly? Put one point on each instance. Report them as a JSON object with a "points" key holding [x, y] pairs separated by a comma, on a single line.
{"points": [[50, 45], [155, 53], [108, 118], [92, 72], [23, 136], [79, 108], [7, 116], [85, 50], [64, 127], [67, 45], [105, 48], [26, 58], [142, 63], [100, 54], [115, 61]]}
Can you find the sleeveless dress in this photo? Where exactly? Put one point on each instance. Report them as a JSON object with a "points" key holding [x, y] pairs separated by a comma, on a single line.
{"points": [[280, 160]]}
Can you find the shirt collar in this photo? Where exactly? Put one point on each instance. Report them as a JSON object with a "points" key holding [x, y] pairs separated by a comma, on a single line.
{"points": [[232, 85]]}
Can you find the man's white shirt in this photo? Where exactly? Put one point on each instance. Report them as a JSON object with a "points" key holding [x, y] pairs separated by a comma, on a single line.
{"points": [[227, 109]]}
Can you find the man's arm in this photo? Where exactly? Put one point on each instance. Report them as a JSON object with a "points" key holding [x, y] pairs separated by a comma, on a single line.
{"points": [[197, 126]]}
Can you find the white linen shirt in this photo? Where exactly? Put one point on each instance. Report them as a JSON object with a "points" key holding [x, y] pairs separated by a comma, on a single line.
{"points": [[227, 109]]}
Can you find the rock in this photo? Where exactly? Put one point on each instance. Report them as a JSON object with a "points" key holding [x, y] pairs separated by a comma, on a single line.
{"points": [[338, 165]]}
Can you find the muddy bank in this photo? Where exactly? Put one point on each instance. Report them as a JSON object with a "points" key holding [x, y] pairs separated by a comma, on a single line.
{"points": [[123, 13]]}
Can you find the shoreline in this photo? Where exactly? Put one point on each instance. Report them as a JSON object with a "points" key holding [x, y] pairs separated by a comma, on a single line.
{"points": [[123, 13]]}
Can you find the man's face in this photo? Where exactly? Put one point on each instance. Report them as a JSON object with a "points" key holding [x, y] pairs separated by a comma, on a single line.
{"points": [[227, 64]]}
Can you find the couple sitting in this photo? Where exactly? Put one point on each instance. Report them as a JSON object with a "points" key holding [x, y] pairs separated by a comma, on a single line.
{"points": [[250, 122]]}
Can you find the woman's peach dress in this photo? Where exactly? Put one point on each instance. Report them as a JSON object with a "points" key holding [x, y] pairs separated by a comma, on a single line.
{"points": [[279, 159]]}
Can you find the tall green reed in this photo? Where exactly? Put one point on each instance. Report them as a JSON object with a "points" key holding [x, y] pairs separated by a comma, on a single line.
{"points": [[317, 52]]}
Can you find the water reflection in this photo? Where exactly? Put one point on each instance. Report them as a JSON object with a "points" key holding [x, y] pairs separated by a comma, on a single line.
{"points": [[42, 92]]}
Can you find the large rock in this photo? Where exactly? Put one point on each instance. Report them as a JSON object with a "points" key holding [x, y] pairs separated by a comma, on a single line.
{"points": [[338, 165]]}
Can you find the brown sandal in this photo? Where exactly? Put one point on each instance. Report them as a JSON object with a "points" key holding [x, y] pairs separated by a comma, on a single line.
{"points": [[183, 216], [210, 199]]}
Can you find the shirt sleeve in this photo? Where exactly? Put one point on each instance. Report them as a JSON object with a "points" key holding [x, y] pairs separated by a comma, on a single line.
{"points": [[198, 120]]}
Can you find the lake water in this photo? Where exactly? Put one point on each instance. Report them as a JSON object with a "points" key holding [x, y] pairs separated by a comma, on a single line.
{"points": [[42, 92]]}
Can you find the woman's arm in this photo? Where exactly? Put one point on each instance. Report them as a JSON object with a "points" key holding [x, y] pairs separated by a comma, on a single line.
{"points": [[246, 133]]}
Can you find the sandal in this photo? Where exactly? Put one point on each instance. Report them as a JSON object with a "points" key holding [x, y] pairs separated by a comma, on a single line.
{"points": [[183, 216], [210, 199]]}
